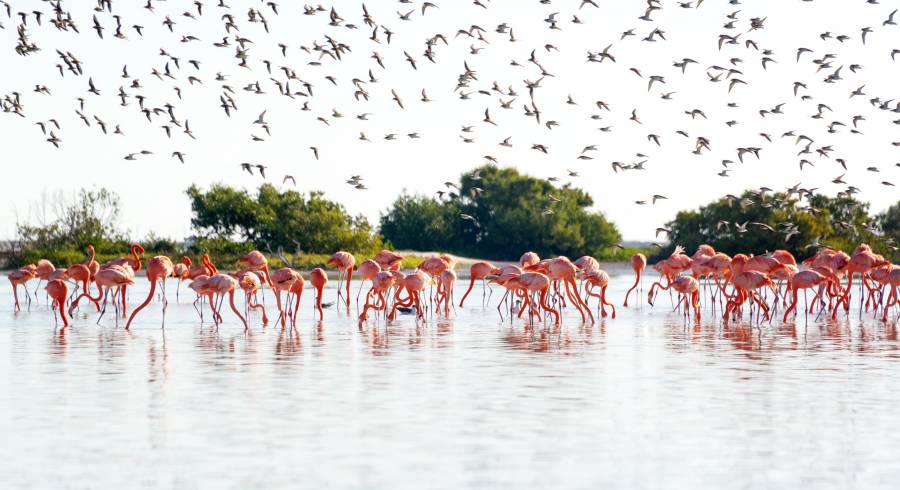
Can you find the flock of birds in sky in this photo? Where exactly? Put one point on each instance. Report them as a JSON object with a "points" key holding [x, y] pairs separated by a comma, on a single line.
{"points": [[272, 68]]}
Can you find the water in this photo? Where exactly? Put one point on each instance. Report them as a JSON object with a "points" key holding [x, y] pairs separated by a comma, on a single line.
{"points": [[642, 401]]}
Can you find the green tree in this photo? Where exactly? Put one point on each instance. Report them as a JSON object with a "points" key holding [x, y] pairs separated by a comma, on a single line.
{"points": [[497, 213]]}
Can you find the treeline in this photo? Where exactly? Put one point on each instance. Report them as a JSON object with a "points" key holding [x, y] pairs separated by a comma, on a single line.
{"points": [[757, 222], [494, 213]]}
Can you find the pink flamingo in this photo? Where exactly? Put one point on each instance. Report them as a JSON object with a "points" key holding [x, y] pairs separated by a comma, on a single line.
{"points": [[181, 272], [380, 284], [158, 269], [804, 280], [447, 281], [318, 279], [367, 272], [21, 277], [689, 292], [222, 284], [535, 282], [250, 283], [113, 277], [344, 263], [256, 261], [43, 271], [600, 279], [638, 263], [59, 291], [414, 284], [479, 271]]}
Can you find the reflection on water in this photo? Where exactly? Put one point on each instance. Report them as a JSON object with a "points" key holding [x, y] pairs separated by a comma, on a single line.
{"points": [[646, 400]]}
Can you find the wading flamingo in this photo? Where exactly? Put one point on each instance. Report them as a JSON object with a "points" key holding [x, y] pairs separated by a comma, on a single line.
{"points": [[318, 278], [222, 284], [689, 292], [250, 283], [21, 277], [59, 291], [600, 279], [256, 261], [134, 263], [894, 284], [181, 272], [638, 263], [448, 281], [114, 278], [282, 280], [535, 282], [380, 284], [158, 269], [367, 272], [413, 284], [344, 263], [804, 280], [43, 271], [479, 271]]}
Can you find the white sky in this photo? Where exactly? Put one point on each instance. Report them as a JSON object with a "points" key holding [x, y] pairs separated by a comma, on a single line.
{"points": [[152, 188]]}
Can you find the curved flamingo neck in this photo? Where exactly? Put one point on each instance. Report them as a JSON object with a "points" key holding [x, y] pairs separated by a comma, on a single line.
{"points": [[144, 304]]}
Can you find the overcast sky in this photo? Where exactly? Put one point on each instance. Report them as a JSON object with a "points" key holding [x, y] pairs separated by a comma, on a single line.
{"points": [[152, 187]]}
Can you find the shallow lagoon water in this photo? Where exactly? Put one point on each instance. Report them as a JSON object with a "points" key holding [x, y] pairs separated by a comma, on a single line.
{"points": [[642, 401]]}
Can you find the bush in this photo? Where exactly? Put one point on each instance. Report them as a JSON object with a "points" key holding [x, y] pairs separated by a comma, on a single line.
{"points": [[276, 220]]}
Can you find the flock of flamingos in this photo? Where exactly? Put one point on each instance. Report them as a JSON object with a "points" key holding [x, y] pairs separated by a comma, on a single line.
{"points": [[541, 287]]}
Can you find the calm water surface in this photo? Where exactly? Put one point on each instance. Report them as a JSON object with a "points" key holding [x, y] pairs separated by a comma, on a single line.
{"points": [[643, 401]]}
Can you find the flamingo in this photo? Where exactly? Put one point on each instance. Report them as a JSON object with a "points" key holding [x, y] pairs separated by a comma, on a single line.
{"points": [[535, 282], [256, 261], [862, 261], [804, 280], [344, 263], [222, 284], [447, 281], [367, 272], [413, 284], [21, 277], [894, 284], [250, 283], [562, 269], [689, 291], [318, 278], [59, 291], [134, 263], [638, 263], [43, 271], [158, 269], [200, 285], [600, 279], [282, 281], [113, 277], [380, 284], [479, 271], [181, 272]]}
